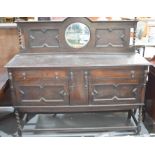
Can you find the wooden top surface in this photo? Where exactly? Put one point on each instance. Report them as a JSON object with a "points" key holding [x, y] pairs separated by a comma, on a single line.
{"points": [[73, 60]]}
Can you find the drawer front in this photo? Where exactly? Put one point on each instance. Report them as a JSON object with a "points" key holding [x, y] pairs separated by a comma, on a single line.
{"points": [[117, 75], [34, 74], [126, 93]]}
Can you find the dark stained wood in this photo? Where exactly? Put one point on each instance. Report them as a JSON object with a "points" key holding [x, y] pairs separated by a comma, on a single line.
{"points": [[86, 129], [43, 86], [78, 108], [105, 37], [30, 74], [48, 76], [71, 60], [78, 87]]}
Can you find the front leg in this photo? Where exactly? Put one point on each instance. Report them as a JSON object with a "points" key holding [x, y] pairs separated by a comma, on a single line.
{"points": [[19, 127], [139, 120]]}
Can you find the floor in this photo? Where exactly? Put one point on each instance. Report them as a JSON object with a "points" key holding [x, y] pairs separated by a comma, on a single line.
{"points": [[72, 120]]}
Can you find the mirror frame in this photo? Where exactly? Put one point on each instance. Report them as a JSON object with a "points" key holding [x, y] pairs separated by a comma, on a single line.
{"points": [[81, 35]]}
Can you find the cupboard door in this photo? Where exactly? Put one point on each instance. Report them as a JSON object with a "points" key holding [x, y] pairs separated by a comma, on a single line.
{"points": [[124, 93], [42, 94], [78, 87]]}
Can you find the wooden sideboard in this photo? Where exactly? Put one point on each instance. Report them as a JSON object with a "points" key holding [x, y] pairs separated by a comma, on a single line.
{"points": [[50, 76]]}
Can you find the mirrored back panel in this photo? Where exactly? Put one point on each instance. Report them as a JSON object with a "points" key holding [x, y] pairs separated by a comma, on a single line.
{"points": [[76, 34]]}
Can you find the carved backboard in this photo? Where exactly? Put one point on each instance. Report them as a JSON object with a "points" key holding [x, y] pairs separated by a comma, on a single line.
{"points": [[105, 36]]}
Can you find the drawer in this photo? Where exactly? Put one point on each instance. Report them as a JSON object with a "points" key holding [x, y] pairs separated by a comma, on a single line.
{"points": [[117, 75], [34, 74]]}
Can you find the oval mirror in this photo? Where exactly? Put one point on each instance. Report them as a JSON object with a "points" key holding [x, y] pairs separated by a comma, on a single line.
{"points": [[77, 35]]}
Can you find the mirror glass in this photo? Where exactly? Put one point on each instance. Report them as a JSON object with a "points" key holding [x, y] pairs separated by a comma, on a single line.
{"points": [[77, 35]]}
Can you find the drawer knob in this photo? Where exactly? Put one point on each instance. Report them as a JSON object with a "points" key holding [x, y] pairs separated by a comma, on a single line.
{"points": [[63, 93], [71, 76], [95, 92], [56, 75], [24, 75], [132, 74], [10, 75], [146, 75]]}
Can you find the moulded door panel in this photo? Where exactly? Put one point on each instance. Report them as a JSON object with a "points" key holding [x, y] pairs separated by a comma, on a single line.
{"points": [[115, 93], [42, 94]]}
